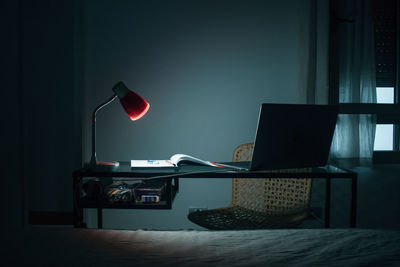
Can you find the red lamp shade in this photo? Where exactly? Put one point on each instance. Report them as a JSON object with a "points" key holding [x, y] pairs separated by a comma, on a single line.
{"points": [[135, 106]]}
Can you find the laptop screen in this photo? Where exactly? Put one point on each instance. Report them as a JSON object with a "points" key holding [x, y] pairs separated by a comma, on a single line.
{"points": [[293, 136]]}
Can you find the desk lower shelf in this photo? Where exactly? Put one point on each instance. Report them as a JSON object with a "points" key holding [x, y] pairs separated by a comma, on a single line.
{"points": [[99, 199]]}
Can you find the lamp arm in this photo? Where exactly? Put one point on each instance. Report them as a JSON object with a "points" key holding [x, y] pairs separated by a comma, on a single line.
{"points": [[93, 160]]}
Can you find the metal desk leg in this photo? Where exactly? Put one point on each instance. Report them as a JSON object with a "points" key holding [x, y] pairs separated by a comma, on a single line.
{"points": [[353, 215], [328, 202], [75, 201], [168, 193], [77, 209]]}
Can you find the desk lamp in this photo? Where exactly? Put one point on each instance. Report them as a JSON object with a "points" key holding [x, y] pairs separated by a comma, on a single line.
{"points": [[135, 106]]}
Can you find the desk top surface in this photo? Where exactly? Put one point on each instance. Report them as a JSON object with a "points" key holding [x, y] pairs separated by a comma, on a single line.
{"points": [[198, 171]]}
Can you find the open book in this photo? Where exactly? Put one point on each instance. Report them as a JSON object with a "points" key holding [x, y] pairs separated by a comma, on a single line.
{"points": [[174, 161]]}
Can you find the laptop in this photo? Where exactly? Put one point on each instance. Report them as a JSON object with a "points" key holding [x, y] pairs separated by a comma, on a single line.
{"points": [[292, 136]]}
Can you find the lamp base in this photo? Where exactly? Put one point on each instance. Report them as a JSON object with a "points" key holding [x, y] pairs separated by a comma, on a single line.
{"points": [[105, 166]]}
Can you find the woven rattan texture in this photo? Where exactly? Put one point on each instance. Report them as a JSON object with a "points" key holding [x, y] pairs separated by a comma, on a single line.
{"points": [[259, 203], [238, 218], [271, 195]]}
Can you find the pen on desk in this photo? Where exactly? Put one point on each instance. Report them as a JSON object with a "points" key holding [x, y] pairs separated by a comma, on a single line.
{"points": [[233, 167]]}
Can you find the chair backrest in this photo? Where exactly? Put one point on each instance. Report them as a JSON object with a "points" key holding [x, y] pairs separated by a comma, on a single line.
{"points": [[275, 196]]}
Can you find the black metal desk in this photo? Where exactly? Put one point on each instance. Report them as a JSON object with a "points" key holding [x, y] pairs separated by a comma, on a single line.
{"points": [[171, 177]]}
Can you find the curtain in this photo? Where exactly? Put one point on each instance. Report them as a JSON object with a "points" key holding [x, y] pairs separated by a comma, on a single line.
{"points": [[354, 134]]}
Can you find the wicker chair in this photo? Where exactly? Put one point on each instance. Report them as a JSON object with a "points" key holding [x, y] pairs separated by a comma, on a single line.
{"points": [[259, 203]]}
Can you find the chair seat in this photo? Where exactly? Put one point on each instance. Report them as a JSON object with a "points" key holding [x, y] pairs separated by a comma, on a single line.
{"points": [[239, 218], [264, 203]]}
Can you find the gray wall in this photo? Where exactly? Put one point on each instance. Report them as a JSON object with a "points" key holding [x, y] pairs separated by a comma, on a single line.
{"points": [[205, 67]]}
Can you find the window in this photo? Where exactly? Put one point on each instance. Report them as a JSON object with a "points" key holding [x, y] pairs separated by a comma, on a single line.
{"points": [[386, 24], [384, 132], [383, 137], [385, 95]]}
